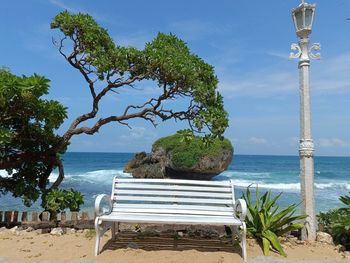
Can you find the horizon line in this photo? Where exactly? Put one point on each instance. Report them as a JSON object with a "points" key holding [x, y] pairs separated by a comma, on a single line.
{"points": [[244, 154]]}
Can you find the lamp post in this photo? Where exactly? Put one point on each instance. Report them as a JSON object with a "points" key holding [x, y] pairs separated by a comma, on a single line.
{"points": [[303, 17]]}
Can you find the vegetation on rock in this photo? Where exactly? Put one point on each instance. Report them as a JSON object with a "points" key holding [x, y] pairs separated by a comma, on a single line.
{"points": [[337, 222], [187, 152], [266, 221]]}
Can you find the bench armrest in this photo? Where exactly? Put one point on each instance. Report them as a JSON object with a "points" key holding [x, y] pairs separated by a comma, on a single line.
{"points": [[98, 201], [240, 209]]}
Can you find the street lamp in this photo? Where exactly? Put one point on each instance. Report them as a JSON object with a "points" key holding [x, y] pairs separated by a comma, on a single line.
{"points": [[303, 17]]}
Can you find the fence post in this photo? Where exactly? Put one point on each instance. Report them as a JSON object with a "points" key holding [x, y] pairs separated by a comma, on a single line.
{"points": [[24, 217], [63, 216], [45, 216], [11, 218], [85, 216], [34, 217], [74, 216]]}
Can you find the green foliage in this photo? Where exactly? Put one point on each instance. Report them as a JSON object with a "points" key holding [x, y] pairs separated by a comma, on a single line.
{"points": [[266, 221], [27, 134], [337, 222], [166, 60], [57, 200], [187, 149]]}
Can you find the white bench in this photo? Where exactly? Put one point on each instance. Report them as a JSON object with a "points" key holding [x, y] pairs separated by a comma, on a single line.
{"points": [[170, 201]]}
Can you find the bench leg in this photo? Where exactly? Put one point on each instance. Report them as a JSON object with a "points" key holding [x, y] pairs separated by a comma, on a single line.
{"points": [[244, 242], [98, 237], [115, 229]]}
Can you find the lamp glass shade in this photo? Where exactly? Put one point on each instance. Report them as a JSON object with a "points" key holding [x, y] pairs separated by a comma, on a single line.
{"points": [[299, 23], [308, 17]]}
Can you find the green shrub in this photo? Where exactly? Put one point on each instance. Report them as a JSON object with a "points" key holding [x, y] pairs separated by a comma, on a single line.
{"points": [[266, 221], [58, 200], [187, 149], [337, 222]]}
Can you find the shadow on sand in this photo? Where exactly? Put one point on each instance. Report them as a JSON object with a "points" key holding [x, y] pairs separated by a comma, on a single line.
{"points": [[156, 242]]}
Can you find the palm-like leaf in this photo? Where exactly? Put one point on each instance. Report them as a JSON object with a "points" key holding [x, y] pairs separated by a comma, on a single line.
{"points": [[266, 221]]}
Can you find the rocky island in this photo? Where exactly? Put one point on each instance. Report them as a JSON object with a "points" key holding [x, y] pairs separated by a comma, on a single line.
{"points": [[174, 157]]}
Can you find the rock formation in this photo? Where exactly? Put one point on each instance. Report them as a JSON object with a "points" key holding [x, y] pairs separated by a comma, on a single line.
{"points": [[171, 157]]}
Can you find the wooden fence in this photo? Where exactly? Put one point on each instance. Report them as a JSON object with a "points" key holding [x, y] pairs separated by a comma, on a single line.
{"points": [[42, 219]]}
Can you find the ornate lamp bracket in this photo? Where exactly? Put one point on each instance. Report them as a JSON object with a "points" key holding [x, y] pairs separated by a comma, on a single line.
{"points": [[315, 47], [297, 51]]}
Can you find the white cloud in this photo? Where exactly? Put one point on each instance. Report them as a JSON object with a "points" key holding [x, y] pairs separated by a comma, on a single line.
{"points": [[62, 5], [257, 140], [327, 75], [136, 39], [195, 29], [259, 84], [332, 142], [138, 133]]}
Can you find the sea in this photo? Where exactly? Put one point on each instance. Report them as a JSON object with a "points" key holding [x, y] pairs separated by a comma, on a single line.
{"points": [[92, 174]]}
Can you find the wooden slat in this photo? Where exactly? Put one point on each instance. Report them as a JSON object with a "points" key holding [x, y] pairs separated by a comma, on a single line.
{"points": [[174, 181], [177, 219], [173, 187], [175, 207], [171, 212], [172, 193], [173, 200]]}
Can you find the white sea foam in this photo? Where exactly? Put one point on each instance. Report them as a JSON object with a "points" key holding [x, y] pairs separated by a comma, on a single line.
{"points": [[105, 176], [4, 173], [261, 184], [291, 186], [338, 185], [246, 174], [93, 176]]}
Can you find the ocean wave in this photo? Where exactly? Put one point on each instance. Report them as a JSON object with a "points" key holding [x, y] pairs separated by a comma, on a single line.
{"points": [[93, 176], [4, 173], [106, 176], [232, 174], [338, 185], [261, 184], [292, 186]]}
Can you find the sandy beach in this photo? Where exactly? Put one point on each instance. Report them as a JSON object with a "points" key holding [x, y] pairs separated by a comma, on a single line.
{"points": [[21, 246]]}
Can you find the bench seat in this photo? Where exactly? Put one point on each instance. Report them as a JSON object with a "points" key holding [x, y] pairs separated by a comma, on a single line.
{"points": [[166, 218]]}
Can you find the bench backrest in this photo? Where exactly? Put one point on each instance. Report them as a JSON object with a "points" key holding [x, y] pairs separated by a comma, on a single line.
{"points": [[190, 197]]}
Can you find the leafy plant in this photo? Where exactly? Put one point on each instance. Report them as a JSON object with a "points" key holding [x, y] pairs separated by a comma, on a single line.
{"points": [[28, 139], [58, 200], [266, 221], [337, 222]]}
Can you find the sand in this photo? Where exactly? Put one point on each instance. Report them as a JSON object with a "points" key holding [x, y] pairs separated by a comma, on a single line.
{"points": [[21, 246]]}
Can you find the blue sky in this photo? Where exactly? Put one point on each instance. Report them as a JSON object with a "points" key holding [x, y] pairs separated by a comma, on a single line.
{"points": [[248, 43]]}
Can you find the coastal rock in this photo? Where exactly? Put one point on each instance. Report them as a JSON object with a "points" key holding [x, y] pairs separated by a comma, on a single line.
{"points": [[56, 231], [324, 237], [70, 230], [144, 166], [171, 157], [29, 229], [340, 248]]}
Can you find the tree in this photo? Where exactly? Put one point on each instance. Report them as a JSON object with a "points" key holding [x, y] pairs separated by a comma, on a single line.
{"points": [[107, 67], [27, 135]]}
